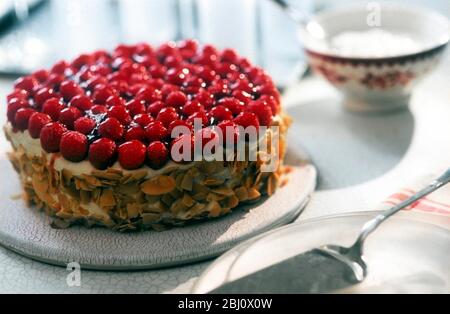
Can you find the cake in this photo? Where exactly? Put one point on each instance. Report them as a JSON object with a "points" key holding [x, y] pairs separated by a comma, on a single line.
{"points": [[93, 139]]}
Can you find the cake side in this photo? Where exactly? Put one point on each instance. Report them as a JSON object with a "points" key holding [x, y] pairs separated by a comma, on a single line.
{"points": [[138, 199]]}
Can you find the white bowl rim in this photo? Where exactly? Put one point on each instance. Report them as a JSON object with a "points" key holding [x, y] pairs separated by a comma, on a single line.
{"points": [[340, 9]]}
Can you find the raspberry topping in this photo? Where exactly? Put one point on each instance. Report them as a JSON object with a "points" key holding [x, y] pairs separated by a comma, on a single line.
{"points": [[135, 132], [85, 125], [22, 118], [111, 128], [74, 146], [37, 121], [102, 153], [139, 94], [132, 154], [262, 110], [53, 108], [51, 135], [247, 119], [167, 116], [157, 155], [156, 131], [68, 116]]}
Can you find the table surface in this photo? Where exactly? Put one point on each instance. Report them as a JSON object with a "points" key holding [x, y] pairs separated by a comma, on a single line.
{"points": [[361, 160]]}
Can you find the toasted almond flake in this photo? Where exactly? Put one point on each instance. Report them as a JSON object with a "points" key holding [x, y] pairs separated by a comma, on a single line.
{"points": [[253, 194], [107, 199], [150, 218], [133, 210], [214, 209], [159, 185], [241, 194], [188, 200], [224, 191]]}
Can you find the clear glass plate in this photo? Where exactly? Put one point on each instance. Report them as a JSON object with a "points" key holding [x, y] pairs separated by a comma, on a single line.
{"points": [[403, 256]]}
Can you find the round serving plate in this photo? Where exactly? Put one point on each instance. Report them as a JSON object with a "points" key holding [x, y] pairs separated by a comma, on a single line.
{"points": [[406, 255], [28, 231]]}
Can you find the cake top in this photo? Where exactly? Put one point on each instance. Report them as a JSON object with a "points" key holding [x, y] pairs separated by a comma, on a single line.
{"points": [[124, 105]]}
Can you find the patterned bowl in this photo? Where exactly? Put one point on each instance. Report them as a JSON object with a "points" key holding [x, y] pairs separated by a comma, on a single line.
{"points": [[374, 83]]}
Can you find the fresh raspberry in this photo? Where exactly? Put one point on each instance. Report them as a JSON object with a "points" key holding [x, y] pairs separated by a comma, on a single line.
{"points": [[230, 132], [111, 128], [192, 107], [167, 89], [207, 74], [115, 100], [102, 153], [234, 105], [149, 95], [230, 55], [27, 83], [242, 96], [176, 76], [156, 131], [54, 81], [247, 119], [60, 67], [180, 123], [155, 108], [51, 135], [198, 118], [96, 81], [19, 94], [220, 113], [13, 106], [43, 95], [157, 155], [132, 155], [37, 121], [74, 146], [243, 85], [69, 115], [102, 93], [226, 69], [262, 110], [220, 90], [135, 132], [69, 89], [188, 48], [270, 90], [173, 61], [167, 116], [41, 75], [84, 125], [176, 99], [143, 119], [22, 118], [272, 102], [136, 107], [53, 108], [82, 102], [83, 60], [120, 113], [99, 109]]}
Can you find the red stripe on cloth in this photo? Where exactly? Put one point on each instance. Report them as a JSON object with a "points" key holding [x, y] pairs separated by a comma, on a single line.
{"points": [[402, 196]]}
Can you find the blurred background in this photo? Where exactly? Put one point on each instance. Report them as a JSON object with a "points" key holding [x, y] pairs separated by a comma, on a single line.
{"points": [[37, 33]]}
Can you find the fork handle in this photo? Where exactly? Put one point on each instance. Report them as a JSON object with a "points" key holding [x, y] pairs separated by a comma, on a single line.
{"points": [[373, 224]]}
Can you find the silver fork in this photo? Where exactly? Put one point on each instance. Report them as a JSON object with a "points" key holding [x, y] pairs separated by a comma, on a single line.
{"points": [[353, 256]]}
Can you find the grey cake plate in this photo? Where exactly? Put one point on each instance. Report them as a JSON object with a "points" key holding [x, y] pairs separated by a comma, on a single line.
{"points": [[28, 232]]}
